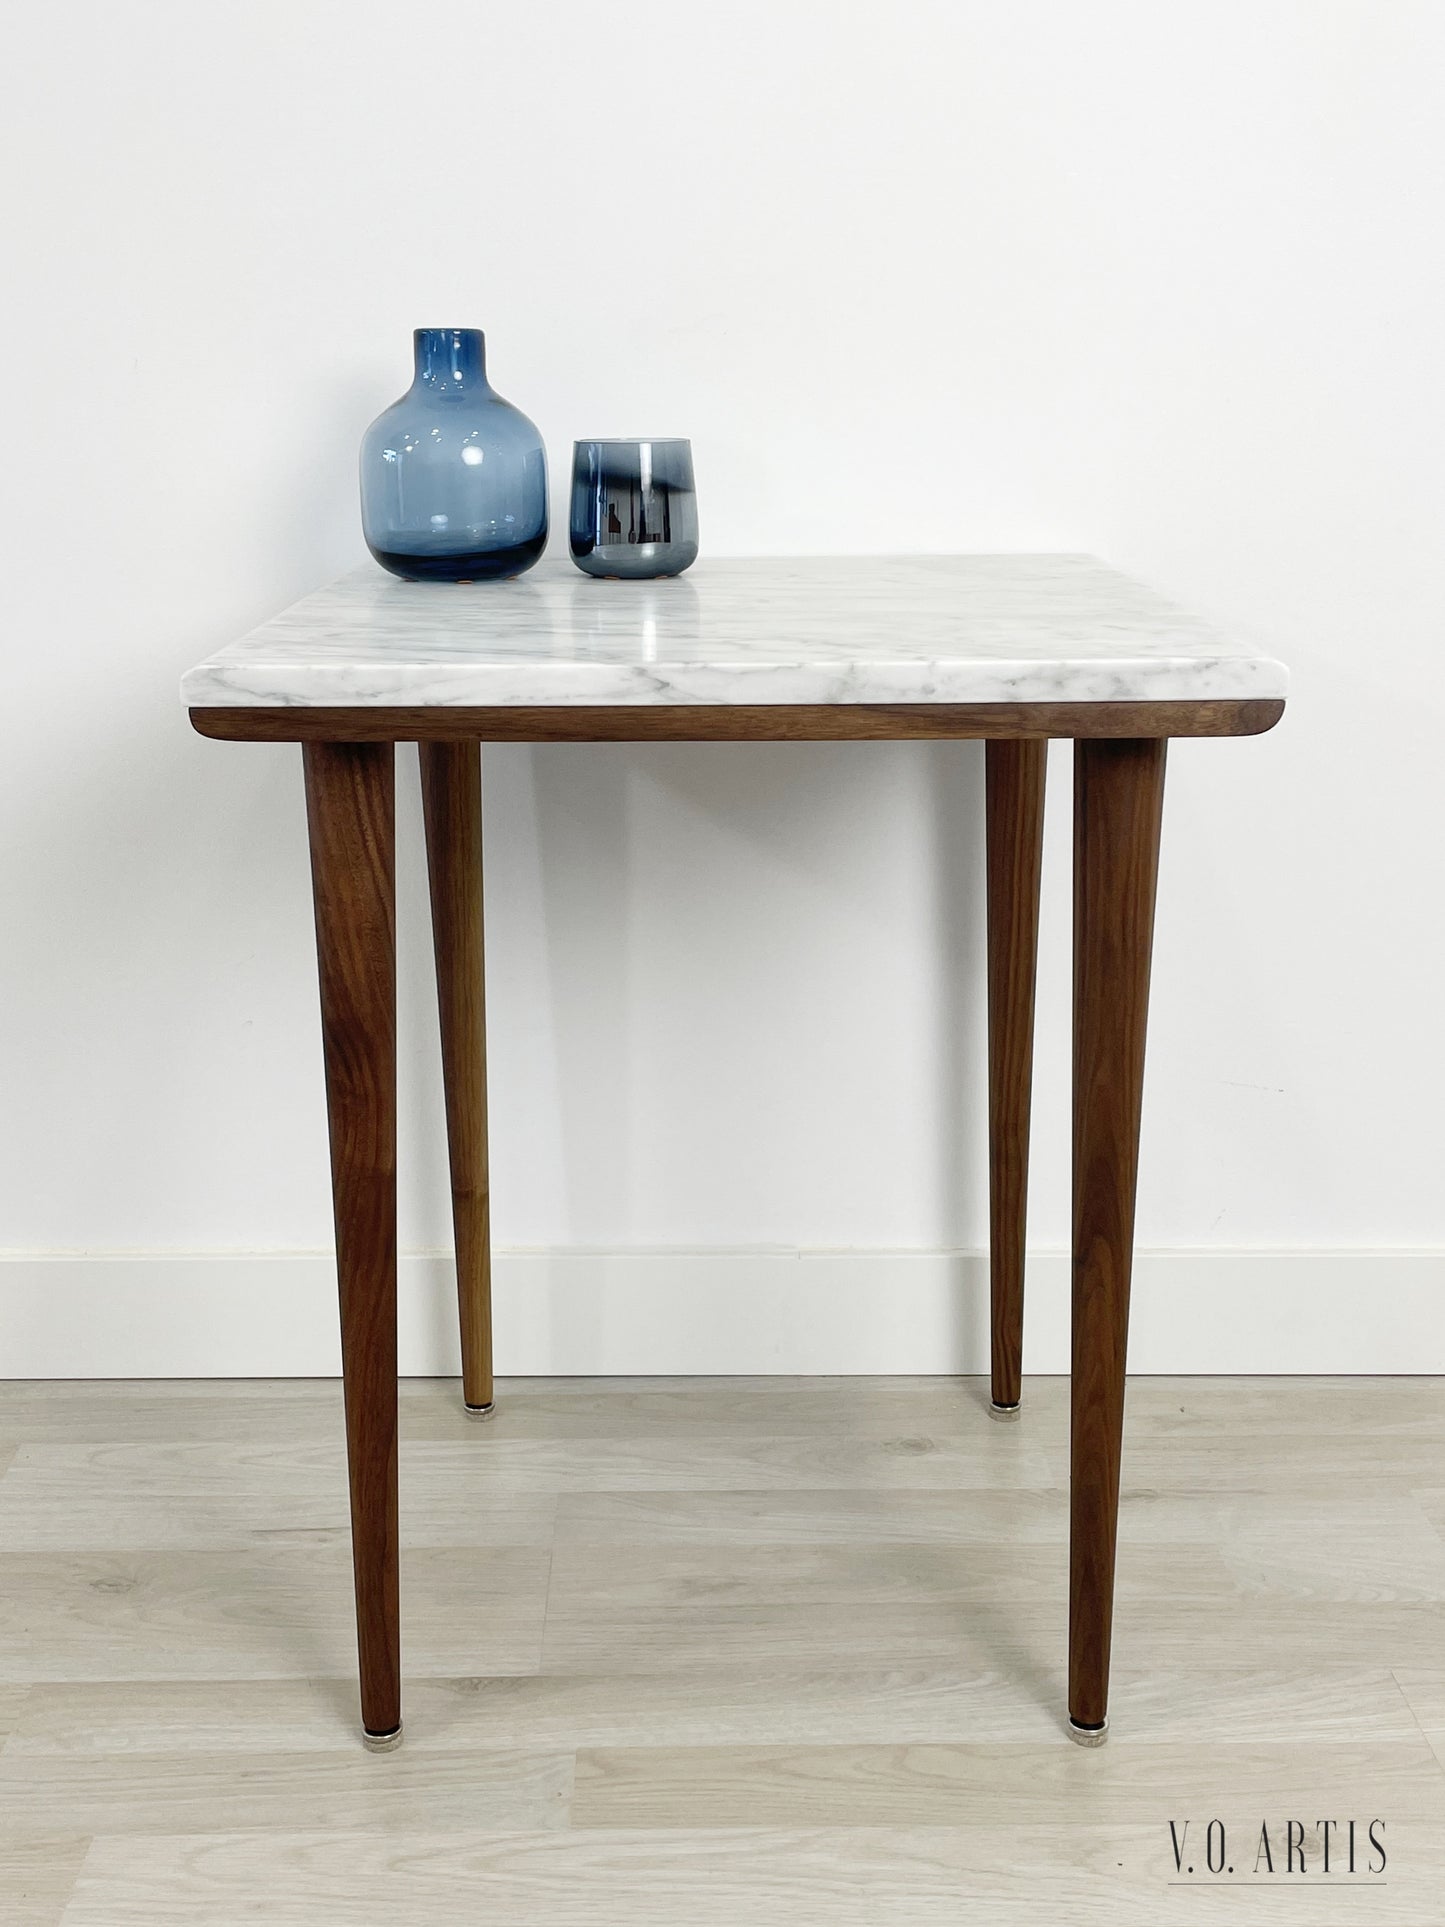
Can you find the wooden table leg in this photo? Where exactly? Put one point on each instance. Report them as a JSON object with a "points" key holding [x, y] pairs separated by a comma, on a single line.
{"points": [[1014, 785], [350, 815], [451, 789], [1118, 799]]}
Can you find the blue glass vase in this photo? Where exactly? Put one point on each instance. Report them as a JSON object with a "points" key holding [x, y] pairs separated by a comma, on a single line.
{"points": [[453, 478]]}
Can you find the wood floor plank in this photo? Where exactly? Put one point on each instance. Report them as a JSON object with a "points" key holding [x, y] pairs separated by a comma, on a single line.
{"points": [[639, 1609], [634, 1608], [134, 1793], [817, 1704], [966, 1876], [669, 1437], [1275, 1408], [276, 1611], [1363, 1552], [635, 1585], [291, 1410], [706, 1407], [1424, 1693], [742, 1461], [496, 1468], [726, 1638], [810, 1517], [1022, 1640], [12, 1704], [1431, 1501], [218, 1496], [1308, 1703], [1381, 1532], [143, 1411], [37, 1874], [302, 1410], [1424, 1690], [1297, 1463], [625, 1582], [1280, 1630], [1271, 1406], [60, 1719], [995, 1785]]}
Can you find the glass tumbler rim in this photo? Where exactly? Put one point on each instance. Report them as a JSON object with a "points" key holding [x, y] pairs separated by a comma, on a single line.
{"points": [[632, 441]]}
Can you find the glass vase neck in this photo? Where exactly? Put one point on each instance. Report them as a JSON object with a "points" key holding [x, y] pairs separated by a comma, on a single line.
{"points": [[450, 361]]}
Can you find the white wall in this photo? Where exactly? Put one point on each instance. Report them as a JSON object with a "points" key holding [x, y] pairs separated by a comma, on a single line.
{"points": [[1163, 283]]}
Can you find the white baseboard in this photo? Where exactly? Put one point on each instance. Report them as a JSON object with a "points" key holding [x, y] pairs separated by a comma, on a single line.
{"points": [[244, 1315]]}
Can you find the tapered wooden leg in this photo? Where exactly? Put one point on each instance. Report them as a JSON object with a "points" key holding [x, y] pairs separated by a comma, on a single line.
{"points": [[349, 808], [1015, 803], [451, 788], [1118, 799]]}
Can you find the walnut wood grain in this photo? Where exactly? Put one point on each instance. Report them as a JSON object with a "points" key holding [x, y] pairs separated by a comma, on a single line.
{"points": [[1014, 788], [451, 790], [1118, 802], [350, 815], [777, 722]]}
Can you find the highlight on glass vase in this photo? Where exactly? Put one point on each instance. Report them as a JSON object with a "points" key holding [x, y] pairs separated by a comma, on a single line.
{"points": [[453, 478], [634, 508]]}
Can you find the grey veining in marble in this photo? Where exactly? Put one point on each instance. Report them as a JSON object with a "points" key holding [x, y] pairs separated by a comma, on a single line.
{"points": [[899, 629]]}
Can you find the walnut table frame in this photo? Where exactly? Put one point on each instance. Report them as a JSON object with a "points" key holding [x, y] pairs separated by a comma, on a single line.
{"points": [[1010, 649]]}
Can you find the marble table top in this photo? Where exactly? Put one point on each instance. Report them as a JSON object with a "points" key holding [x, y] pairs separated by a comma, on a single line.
{"points": [[895, 629]]}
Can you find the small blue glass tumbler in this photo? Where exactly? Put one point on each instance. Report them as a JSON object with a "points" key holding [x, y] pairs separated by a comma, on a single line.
{"points": [[634, 508]]}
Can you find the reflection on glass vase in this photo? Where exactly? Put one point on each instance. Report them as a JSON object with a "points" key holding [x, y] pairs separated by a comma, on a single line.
{"points": [[453, 478]]}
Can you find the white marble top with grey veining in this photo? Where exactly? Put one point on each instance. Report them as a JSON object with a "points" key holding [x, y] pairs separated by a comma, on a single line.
{"points": [[847, 629]]}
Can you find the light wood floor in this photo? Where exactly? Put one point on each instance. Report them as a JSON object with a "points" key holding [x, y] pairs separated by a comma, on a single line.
{"points": [[717, 1651]]}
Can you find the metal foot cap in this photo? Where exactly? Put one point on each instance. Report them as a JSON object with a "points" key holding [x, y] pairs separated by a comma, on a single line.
{"points": [[381, 1742], [995, 1410], [480, 1411], [1088, 1735]]}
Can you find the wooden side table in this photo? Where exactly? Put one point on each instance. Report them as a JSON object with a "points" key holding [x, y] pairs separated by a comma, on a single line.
{"points": [[1011, 649]]}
